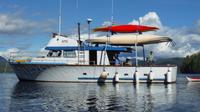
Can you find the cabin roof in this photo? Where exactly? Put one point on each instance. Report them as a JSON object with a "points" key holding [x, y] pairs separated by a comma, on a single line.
{"points": [[91, 48]]}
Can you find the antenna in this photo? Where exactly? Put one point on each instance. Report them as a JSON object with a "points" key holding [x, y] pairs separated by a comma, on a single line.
{"points": [[60, 19], [112, 12], [112, 16], [89, 21]]}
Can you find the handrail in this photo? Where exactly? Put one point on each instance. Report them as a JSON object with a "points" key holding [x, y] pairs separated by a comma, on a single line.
{"points": [[42, 57], [26, 55]]}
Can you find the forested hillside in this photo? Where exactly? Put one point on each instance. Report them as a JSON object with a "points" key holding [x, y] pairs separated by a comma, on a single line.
{"points": [[4, 66], [191, 64]]}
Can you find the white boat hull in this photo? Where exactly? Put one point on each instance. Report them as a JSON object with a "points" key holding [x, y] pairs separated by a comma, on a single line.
{"points": [[89, 73]]}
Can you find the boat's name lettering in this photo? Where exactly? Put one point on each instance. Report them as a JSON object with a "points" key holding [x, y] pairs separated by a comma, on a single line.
{"points": [[64, 41]]}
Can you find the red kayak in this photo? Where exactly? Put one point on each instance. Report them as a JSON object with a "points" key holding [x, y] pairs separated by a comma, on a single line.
{"points": [[193, 78], [126, 28]]}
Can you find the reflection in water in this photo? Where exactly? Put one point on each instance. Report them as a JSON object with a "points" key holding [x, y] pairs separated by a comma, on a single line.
{"points": [[7, 81], [91, 101], [32, 96], [84, 97], [29, 96], [115, 102], [148, 100], [150, 97]]}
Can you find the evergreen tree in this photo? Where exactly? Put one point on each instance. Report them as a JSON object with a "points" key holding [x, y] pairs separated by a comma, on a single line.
{"points": [[191, 64]]}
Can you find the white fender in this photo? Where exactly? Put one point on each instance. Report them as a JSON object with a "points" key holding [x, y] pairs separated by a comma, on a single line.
{"points": [[104, 75], [151, 75], [116, 77], [169, 76], [136, 76]]}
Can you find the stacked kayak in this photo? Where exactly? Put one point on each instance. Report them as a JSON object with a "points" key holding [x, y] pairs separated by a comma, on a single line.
{"points": [[129, 39], [126, 28]]}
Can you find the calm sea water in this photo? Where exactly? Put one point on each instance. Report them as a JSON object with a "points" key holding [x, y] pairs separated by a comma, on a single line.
{"points": [[44, 96]]}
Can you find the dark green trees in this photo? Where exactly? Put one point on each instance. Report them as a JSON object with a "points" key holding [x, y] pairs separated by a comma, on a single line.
{"points": [[191, 64]]}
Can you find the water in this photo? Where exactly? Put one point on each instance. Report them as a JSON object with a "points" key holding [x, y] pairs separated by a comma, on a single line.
{"points": [[45, 96]]}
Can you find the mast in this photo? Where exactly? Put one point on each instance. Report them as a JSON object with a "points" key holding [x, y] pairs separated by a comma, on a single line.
{"points": [[79, 42], [79, 34], [60, 18], [108, 37]]}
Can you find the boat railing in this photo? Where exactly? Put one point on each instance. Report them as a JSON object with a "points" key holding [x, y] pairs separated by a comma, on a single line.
{"points": [[24, 57], [28, 56], [41, 57]]}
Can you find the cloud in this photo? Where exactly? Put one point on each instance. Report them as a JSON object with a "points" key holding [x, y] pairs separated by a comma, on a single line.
{"points": [[17, 31], [47, 26], [84, 36], [9, 52], [106, 23], [150, 18], [186, 39], [198, 26], [14, 24]]}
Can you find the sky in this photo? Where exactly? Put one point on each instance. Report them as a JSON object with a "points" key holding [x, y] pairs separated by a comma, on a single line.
{"points": [[28, 24]]}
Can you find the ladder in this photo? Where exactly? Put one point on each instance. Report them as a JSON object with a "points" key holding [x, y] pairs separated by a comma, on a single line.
{"points": [[81, 56]]}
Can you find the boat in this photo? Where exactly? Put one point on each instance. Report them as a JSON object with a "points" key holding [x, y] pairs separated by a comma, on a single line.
{"points": [[72, 60], [94, 59], [193, 78], [129, 28]]}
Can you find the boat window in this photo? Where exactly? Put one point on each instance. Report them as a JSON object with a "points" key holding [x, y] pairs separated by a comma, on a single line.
{"points": [[54, 54], [49, 53], [69, 54], [126, 74], [84, 73]]}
